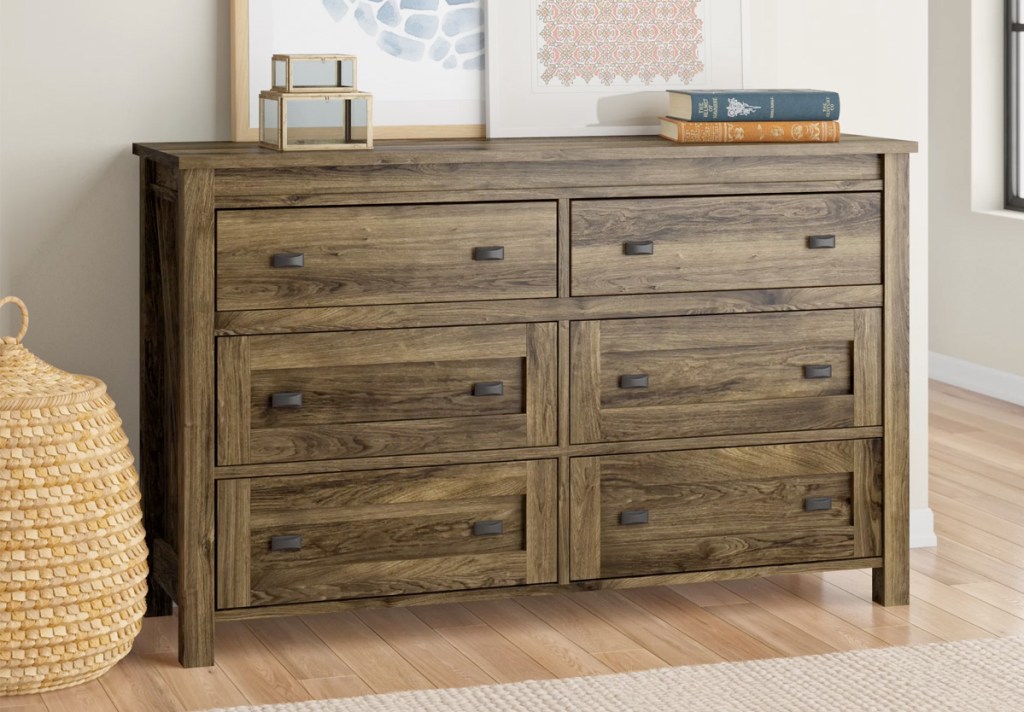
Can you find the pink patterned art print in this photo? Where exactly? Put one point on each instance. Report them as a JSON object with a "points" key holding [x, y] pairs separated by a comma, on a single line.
{"points": [[616, 42]]}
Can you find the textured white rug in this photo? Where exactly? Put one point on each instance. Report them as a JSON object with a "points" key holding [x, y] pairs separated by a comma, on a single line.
{"points": [[982, 675]]}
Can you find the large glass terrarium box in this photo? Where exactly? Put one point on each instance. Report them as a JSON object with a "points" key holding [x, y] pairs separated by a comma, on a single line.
{"points": [[318, 121]]}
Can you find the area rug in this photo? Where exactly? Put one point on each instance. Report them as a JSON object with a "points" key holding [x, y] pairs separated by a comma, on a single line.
{"points": [[982, 675]]}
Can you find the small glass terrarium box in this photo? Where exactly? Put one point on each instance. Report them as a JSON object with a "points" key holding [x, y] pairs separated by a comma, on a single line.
{"points": [[316, 121], [313, 72]]}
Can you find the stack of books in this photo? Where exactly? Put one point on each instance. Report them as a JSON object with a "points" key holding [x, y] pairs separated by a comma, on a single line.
{"points": [[752, 116]]}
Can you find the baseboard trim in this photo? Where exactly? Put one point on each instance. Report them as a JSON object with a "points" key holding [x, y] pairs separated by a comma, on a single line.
{"points": [[922, 528], [974, 377]]}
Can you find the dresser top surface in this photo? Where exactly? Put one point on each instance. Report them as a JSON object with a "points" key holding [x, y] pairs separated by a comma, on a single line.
{"points": [[227, 155]]}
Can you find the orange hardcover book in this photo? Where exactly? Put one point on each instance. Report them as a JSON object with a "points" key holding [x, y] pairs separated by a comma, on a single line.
{"points": [[749, 131]]}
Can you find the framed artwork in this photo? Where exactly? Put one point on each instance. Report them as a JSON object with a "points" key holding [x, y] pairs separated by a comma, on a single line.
{"points": [[423, 60], [601, 67]]}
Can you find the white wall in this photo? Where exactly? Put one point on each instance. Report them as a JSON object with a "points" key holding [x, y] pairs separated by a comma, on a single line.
{"points": [[977, 258], [875, 54], [82, 80]]}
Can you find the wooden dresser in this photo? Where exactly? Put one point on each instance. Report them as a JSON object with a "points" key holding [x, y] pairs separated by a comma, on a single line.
{"points": [[459, 369]]}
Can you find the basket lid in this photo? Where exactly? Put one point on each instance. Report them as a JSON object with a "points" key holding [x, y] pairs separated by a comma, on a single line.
{"points": [[28, 382]]}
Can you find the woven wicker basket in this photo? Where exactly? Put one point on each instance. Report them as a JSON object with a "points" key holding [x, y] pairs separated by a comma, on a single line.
{"points": [[72, 551]]}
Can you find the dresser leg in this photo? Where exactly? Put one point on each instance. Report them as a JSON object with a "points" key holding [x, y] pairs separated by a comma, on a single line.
{"points": [[195, 637], [890, 585]]}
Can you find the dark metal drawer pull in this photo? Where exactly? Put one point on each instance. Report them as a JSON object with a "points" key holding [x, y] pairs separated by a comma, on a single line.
{"points": [[817, 504], [289, 259], [485, 254], [638, 516], [492, 528], [286, 543], [639, 380], [489, 388], [639, 247], [286, 400], [821, 242], [818, 371]]}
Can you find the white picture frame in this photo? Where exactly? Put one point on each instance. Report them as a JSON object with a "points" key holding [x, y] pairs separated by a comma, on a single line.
{"points": [[412, 99], [521, 103]]}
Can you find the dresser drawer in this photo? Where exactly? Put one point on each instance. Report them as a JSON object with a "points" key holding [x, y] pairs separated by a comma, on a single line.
{"points": [[669, 512], [644, 379], [393, 254], [704, 244], [388, 532], [294, 397]]}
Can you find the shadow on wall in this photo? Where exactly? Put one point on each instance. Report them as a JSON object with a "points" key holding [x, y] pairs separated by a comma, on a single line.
{"points": [[80, 280]]}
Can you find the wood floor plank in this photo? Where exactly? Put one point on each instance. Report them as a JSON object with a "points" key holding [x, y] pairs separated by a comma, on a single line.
{"points": [[771, 630], [708, 593], [428, 652], [928, 562], [970, 535], [538, 639], [195, 688], [576, 623], [993, 506], [631, 660], [332, 688], [365, 652], [933, 619], [949, 508], [134, 684], [984, 563], [838, 602], [445, 615], [650, 632], [90, 697], [706, 628], [810, 618], [302, 653], [904, 635], [253, 668], [997, 595], [495, 654], [23, 702]]}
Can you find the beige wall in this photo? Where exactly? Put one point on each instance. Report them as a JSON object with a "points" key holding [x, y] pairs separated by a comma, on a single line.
{"points": [[82, 80], [977, 256]]}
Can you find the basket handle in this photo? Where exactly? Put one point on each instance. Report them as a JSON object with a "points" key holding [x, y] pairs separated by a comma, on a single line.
{"points": [[24, 319]]}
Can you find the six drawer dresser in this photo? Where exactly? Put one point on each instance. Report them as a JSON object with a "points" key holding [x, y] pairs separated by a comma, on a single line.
{"points": [[444, 370]]}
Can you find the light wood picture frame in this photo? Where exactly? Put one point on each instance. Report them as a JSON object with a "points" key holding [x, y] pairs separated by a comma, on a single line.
{"points": [[244, 127]]}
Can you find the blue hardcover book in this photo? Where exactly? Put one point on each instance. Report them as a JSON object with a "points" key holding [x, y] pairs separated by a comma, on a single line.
{"points": [[754, 105]]}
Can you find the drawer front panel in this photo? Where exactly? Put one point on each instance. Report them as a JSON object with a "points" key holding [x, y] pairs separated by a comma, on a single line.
{"points": [[645, 379], [705, 244], [296, 397], [655, 513], [395, 254], [390, 532]]}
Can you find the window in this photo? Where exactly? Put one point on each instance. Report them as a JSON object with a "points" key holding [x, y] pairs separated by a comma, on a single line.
{"points": [[1014, 146]]}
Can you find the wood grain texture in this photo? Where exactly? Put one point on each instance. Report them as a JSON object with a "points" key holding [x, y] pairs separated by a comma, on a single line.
{"points": [[721, 508], [391, 532], [196, 397], [234, 375], [730, 242], [892, 582], [714, 374], [234, 531], [385, 254], [417, 398], [275, 321]]}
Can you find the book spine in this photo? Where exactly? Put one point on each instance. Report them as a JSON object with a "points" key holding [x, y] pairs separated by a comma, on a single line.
{"points": [[765, 106], [758, 132]]}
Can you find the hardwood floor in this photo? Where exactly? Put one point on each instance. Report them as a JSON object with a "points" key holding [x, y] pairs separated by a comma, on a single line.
{"points": [[970, 586]]}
